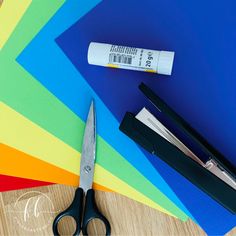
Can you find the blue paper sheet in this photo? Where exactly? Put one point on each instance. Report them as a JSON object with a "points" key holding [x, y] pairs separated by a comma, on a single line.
{"points": [[201, 89], [48, 64]]}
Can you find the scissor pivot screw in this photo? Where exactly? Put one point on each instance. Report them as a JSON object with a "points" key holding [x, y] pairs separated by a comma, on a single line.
{"points": [[87, 169]]}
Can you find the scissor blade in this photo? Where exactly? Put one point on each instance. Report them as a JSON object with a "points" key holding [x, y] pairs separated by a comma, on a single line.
{"points": [[88, 151]]}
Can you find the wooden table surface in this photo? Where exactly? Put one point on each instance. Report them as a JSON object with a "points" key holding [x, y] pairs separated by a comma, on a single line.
{"points": [[31, 212]]}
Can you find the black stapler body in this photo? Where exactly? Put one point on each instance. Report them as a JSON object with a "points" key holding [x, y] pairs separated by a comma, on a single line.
{"points": [[215, 175]]}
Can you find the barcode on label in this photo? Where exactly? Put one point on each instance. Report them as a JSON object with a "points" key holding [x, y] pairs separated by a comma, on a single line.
{"points": [[120, 58]]}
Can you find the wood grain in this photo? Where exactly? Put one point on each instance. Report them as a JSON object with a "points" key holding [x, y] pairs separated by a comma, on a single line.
{"points": [[126, 216]]}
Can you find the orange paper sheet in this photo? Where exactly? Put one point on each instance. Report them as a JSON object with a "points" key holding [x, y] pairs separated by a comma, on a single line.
{"points": [[34, 168]]}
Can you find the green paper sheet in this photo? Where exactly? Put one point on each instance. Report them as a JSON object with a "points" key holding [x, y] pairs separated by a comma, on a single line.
{"points": [[10, 13], [24, 32]]}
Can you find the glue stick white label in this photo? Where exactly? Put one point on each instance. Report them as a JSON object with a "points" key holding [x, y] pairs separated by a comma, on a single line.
{"points": [[130, 58]]}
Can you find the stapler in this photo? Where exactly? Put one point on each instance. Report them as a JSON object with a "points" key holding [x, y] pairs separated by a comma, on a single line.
{"points": [[196, 159]]}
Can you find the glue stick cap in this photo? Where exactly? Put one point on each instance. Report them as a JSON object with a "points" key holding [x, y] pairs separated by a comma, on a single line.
{"points": [[165, 62], [97, 53]]}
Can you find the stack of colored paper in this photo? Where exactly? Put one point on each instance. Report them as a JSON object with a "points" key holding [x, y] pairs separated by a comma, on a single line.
{"points": [[47, 86]]}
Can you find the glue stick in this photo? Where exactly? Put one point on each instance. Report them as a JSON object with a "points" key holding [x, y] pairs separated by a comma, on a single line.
{"points": [[130, 58]]}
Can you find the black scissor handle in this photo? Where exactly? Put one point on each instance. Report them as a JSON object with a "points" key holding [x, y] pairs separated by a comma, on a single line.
{"points": [[91, 212], [74, 210]]}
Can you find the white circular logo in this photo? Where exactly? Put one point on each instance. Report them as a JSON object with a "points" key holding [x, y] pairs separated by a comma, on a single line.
{"points": [[33, 208]]}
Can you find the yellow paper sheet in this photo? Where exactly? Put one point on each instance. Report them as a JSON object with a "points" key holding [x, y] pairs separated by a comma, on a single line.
{"points": [[11, 12], [24, 135]]}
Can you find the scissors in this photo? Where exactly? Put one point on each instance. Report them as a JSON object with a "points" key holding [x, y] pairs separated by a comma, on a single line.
{"points": [[83, 207]]}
